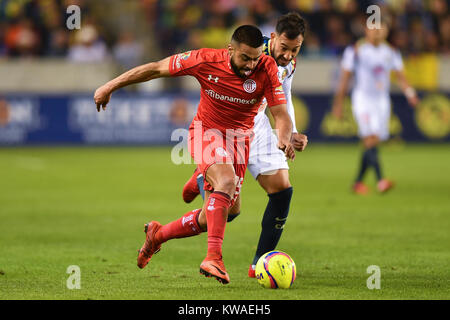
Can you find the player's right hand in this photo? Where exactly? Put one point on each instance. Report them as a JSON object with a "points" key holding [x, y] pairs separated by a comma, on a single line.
{"points": [[337, 110], [101, 97], [414, 101]]}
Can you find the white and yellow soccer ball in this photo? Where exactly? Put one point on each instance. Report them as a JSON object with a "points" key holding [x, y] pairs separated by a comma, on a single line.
{"points": [[275, 269]]}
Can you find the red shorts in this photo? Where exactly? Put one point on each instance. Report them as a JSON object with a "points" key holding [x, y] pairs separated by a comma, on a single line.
{"points": [[212, 146]]}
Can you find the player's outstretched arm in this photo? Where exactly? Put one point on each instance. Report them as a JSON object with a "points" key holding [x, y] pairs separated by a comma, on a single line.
{"points": [[409, 92], [338, 103], [146, 72], [283, 125]]}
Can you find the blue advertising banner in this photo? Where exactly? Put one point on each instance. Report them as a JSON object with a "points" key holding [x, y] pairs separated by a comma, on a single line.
{"points": [[150, 119]]}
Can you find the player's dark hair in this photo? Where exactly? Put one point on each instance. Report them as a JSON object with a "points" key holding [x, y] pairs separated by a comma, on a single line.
{"points": [[249, 35], [292, 25]]}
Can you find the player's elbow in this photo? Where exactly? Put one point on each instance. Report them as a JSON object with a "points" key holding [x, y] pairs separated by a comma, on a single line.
{"points": [[150, 70], [154, 70]]}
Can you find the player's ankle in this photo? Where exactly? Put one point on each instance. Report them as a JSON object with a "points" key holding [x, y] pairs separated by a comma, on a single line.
{"points": [[214, 255]]}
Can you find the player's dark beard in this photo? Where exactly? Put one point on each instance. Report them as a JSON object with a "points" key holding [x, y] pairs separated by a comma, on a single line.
{"points": [[236, 70], [281, 61]]}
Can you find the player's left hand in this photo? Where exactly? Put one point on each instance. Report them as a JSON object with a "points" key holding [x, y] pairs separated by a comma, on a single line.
{"points": [[288, 149], [299, 141]]}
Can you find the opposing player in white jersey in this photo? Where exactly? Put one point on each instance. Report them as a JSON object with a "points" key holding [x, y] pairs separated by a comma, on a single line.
{"points": [[371, 59], [267, 163]]}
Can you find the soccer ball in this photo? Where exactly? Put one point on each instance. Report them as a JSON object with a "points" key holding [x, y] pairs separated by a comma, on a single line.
{"points": [[275, 269]]}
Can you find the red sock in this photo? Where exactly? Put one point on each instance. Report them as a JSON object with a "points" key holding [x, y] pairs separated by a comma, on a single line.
{"points": [[216, 218], [186, 226]]}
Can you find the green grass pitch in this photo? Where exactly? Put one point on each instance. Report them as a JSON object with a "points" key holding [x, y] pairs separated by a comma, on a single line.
{"points": [[87, 207]]}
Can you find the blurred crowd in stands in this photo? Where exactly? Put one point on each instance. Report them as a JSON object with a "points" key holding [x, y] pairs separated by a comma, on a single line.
{"points": [[37, 28]]}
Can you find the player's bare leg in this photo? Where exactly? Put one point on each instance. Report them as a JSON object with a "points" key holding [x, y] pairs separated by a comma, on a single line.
{"points": [[215, 211], [276, 182], [279, 191]]}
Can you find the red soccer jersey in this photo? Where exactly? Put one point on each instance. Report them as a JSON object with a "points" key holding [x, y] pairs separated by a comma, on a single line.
{"points": [[228, 101]]}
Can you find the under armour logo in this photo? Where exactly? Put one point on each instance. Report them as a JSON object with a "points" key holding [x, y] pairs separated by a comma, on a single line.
{"points": [[216, 79]]}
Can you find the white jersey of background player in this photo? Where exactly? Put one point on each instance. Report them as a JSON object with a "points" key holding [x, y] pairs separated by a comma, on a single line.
{"points": [[372, 67], [371, 60]]}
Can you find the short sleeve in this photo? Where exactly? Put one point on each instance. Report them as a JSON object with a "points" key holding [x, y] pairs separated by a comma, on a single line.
{"points": [[185, 63], [274, 93], [348, 59], [397, 61]]}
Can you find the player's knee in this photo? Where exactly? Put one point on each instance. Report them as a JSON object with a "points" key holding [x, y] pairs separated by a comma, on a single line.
{"points": [[275, 183], [232, 216], [283, 185], [227, 184], [278, 186]]}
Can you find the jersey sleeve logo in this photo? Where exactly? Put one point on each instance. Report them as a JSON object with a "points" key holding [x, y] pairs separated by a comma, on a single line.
{"points": [[249, 86], [282, 75], [181, 56], [185, 55]]}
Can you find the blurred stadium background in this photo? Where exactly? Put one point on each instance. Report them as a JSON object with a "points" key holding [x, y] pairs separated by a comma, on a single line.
{"points": [[41, 58], [62, 203]]}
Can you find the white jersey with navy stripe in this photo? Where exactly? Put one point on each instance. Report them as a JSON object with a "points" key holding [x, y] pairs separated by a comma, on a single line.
{"points": [[285, 75], [265, 157]]}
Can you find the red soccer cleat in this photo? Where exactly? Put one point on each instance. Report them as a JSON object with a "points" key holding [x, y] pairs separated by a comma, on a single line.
{"points": [[251, 271], [151, 245], [215, 268], [190, 189], [384, 185], [360, 188]]}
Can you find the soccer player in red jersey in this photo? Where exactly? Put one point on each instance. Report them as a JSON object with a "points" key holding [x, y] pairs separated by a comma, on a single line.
{"points": [[267, 163], [233, 83]]}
